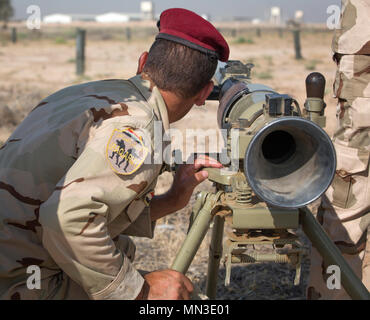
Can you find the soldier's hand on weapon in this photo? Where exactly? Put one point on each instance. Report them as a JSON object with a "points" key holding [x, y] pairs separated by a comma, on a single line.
{"points": [[166, 285], [188, 177]]}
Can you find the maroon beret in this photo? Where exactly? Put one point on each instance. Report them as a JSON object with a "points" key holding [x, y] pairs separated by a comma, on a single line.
{"points": [[191, 30]]}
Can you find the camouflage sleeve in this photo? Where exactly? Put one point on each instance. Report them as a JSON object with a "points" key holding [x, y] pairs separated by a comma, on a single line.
{"points": [[100, 188], [353, 35]]}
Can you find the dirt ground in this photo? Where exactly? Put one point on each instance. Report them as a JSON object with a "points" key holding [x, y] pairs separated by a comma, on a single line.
{"points": [[42, 63]]}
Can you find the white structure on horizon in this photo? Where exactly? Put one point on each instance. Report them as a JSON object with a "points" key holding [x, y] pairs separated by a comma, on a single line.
{"points": [[57, 18], [63, 18], [147, 13], [298, 16], [147, 10], [275, 15], [117, 17], [112, 17]]}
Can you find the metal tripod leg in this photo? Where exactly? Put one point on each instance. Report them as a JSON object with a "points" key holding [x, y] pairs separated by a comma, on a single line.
{"points": [[199, 203], [332, 256], [195, 235], [215, 253]]}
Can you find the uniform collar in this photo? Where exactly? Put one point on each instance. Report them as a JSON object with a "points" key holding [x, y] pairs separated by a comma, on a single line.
{"points": [[152, 95]]}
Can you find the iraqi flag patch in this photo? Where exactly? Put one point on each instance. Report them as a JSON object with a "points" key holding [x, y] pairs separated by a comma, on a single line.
{"points": [[125, 151]]}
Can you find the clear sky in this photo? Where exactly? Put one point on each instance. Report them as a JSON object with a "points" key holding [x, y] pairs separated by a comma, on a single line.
{"points": [[314, 10]]}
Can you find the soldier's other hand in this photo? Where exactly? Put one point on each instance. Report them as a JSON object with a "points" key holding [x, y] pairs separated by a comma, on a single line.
{"points": [[188, 177], [166, 285]]}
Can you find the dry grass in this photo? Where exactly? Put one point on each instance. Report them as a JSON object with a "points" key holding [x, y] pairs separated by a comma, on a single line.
{"points": [[40, 64]]}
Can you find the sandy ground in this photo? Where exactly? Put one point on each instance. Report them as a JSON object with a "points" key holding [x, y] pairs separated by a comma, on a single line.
{"points": [[35, 67]]}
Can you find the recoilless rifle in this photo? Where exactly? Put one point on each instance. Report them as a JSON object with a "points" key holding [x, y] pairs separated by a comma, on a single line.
{"points": [[281, 160]]}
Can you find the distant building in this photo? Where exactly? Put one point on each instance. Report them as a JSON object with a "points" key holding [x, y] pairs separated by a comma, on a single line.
{"points": [[241, 18], [68, 18], [57, 18], [112, 17], [116, 17], [147, 10], [275, 16], [83, 17]]}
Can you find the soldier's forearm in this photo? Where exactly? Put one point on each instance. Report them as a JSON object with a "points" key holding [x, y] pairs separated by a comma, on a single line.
{"points": [[163, 205]]}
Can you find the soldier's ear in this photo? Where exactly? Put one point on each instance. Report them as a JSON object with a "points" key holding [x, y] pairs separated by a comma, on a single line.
{"points": [[203, 94], [142, 61]]}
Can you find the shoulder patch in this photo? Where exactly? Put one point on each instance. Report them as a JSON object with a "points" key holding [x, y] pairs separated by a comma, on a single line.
{"points": [[125, 151]]}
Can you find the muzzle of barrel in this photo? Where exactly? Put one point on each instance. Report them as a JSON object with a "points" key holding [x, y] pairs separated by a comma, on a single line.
{"points": [[290, 162]]}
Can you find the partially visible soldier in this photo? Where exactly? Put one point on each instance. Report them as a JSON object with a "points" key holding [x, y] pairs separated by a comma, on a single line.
{"points": [[77, 175], [345, 210]]}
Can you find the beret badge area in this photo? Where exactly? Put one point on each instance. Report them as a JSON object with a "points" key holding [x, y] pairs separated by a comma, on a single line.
{"points": [[125, 151]]}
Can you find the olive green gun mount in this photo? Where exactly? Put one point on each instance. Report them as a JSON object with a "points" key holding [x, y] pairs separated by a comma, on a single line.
{"points": [[280, 161]]}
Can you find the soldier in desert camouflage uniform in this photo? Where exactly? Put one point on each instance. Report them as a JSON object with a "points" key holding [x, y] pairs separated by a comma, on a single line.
{"points": [[345, 210], [77, 175]]}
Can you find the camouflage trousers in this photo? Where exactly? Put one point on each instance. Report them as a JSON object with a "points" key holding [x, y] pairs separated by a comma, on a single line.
{"points": [[345, 209], [56, 285]]}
